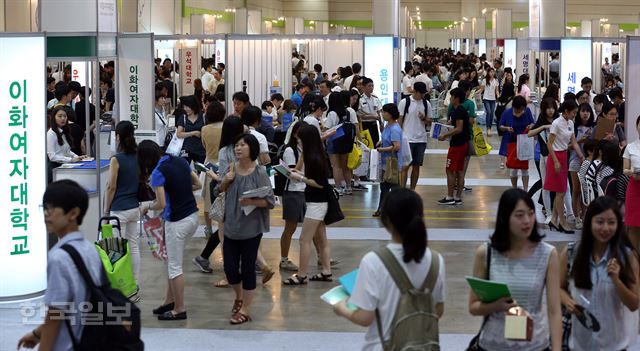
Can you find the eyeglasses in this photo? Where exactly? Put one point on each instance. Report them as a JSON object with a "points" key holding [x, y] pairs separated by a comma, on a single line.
{"points": [[46, 209]]}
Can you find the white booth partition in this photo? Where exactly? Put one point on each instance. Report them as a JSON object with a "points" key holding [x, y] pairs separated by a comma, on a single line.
{"points": [[334, 52], [632, 87]]}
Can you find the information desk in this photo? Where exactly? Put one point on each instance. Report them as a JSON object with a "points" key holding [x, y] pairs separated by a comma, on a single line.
{"points": [[84, 173]]}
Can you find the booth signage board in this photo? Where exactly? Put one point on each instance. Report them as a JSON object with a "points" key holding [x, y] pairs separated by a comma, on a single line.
{"points": [[220, 51], [189, 69], [522, 62], [606, 52], [23, 242], [378, 65], [632, 85], [135, 80], [79, 73], [482, 47], [575, 64], [107, 20], [510, 54]]}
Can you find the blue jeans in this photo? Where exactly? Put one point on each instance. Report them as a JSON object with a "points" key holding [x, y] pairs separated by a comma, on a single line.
{"points": [[489, 111]]}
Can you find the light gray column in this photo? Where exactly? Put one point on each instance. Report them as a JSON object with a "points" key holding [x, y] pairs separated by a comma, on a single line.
{"points": [[547, 18], [321, 27], [240, 21], [385, 15], [585, 28], [197, 24], [501, 23], [293, 25], [17, 16], [478, 30], [2, 15]]}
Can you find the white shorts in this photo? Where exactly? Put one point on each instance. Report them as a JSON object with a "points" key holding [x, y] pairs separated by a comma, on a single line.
{"points": [[176, 236], [316, 210]]}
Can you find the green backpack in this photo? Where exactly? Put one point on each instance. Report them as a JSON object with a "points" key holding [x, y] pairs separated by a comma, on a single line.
{"points": [[415, 324]]}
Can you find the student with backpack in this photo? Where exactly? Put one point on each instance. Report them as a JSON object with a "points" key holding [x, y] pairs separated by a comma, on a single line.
{"points": [[64, 205], [529, 267], [341, 144], [386, 275], [602, 269]]}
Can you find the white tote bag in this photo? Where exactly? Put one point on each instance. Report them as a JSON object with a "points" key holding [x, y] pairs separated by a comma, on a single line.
{"points": [[374, 165], [175, 146], [525, 147]]}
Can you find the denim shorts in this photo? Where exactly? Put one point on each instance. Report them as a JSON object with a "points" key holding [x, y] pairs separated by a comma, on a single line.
{"points": [[417, 153]]}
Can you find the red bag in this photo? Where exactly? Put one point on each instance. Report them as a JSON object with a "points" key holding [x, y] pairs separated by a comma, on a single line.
{"points": [[154, 232], [512, 158]]}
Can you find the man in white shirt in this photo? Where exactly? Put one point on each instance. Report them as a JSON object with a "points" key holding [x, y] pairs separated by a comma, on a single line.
{"points": [[370, 110], [207, 76], [413, 121], [252, 117], [295, 58], [215, 81], [356, 68], [425, 77], [276, 99]]}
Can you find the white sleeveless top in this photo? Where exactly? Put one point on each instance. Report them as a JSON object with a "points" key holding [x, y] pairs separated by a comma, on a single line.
{"points": [[526, 279]]}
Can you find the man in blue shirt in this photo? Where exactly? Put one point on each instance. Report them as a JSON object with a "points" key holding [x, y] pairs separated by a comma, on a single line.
{"points": [[64, 204], [301, 91]]}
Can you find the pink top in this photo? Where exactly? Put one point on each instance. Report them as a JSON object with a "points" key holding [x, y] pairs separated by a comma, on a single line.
{"points": [[525, 92]]}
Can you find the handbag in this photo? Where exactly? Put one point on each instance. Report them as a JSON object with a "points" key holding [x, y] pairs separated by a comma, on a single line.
{"points": [[391, 172], [480, 145], [153, 230], [334, 212], [355, 157], [474, 344], [566, 316], [145, 192], [115, 256], [525, 147], [512, 158], [175, 145], [216, 213]]}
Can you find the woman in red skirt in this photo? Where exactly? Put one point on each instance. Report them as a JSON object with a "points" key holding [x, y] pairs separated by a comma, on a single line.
{"points": [[631, 159], [561, 137]]}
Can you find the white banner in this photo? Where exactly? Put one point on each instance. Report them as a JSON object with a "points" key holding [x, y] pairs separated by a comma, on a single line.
{"points": [[378, 65], [135, 80], [220, 51], [79, 73], [189, 69], [575, 64], [23, 243], [107, 18], [522, 62], [510, 54]]}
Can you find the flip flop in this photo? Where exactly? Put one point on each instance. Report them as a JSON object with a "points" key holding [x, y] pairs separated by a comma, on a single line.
{"points": [[267, 274], [239, 318], [321, 277], [222, 283], [237, 305]]}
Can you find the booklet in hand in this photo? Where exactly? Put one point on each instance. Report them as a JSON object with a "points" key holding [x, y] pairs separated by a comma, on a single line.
{"points": [[337, 294], [439, 128], [348, 281], [487, 290]]}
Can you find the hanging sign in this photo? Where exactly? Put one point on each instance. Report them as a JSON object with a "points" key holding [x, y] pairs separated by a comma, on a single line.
{"points": [[23, 242], [575, 64], [189, 69], [135, 80], [378, 65]]}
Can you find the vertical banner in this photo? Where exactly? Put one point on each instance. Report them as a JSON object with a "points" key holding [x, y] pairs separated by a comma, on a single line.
{"points": [[510, 54], [79, 73], [522, 60], [482, 47], [220, 51], [135, 79], [378, 65], [189, 69], [23, 241], [632, 87], [575, 64]]}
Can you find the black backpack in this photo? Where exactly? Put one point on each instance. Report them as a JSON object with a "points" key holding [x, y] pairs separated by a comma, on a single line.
{"points": [[118, 324], [407, 102], [281, 182], [344, 144]]}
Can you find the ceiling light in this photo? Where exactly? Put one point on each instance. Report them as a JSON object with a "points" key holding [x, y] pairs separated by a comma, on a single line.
{"points": [[312, 22], [455, 23], [418, 18], [484, 10], [621, 30], [417, 8], [465, 19]]}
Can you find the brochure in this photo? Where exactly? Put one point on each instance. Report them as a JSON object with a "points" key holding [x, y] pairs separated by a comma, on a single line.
{"points": [[336, 295], [348, 281], [487, 290], [439, 128]]}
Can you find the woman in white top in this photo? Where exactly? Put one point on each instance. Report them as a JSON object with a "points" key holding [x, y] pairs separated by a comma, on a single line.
{"points": [[600, 274], [490, 92], [58, 141], [631, 166], [375, 289], [518, 257], [160, 116]]}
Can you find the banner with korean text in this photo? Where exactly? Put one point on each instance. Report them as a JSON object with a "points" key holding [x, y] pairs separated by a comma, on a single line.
{"points": [[189, 69], [632, 87], [135, 79], [378, 65], [575, 64], [23, 240]]}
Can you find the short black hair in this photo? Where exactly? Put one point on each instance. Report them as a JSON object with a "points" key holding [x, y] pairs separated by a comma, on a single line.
{"points": [[277, 97], [459, 94], [615, 93], [241, 96], [300, 86], [581, 93], [391, 109], [317, 67], [266, 104], [67, 194], [251, 115], [356, 67], [50, 80], [569, 96], [252, 141], [366, 80], [75, 86], [82, 91], [61, 91], [329, 83], [465, 85], [600, 99], [519, 102], [586, 80]]}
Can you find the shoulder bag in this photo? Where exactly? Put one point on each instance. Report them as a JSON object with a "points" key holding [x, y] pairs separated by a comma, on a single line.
{"points": [[216, 213], [474, 344], [334, 212]]}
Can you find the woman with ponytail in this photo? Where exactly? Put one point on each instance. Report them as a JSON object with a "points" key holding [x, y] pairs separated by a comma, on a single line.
{"points": [[375, 289], [518, 257], [121, 196]]}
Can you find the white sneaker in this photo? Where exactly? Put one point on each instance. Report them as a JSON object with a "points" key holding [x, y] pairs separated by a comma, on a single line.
{"points": [[578, 224], [547, 220], [571, 219]]}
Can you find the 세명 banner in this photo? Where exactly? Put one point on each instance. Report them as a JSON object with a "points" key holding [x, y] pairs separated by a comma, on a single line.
{"points": [[23, 241], [575, 64], [378, 65]]}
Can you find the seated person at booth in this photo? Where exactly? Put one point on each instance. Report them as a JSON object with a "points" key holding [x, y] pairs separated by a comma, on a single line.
{"points": [[59, 141]]}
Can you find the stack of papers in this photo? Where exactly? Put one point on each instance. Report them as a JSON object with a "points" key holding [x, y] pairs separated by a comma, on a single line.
{"points": [[342, 292], [439, 128], [260, 193]]}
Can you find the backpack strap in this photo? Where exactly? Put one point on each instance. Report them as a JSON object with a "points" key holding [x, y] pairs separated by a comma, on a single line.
{"points": [[395, 270], [434, 272]]}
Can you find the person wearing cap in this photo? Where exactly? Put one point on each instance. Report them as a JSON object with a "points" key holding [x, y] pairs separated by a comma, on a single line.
{"points": [[413, 120]]}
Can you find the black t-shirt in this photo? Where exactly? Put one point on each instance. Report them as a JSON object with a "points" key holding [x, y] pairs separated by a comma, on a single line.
{"points": [[81, 112], [192, 144], [461, 138], [508, 93], [313, 194], [76, 138], [542, 121]]}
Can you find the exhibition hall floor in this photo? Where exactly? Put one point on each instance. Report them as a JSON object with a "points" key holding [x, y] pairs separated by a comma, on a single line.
{"points": [[291, 318]]}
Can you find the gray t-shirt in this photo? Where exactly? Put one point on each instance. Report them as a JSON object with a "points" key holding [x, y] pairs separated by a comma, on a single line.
{"points": [[66, 289], [237, 225]]}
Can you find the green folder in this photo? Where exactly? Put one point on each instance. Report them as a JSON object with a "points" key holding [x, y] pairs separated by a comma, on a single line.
{"points": [[487, 290]]}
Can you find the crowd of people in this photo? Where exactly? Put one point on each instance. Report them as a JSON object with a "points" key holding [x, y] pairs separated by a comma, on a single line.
{"points": [[588, 181]]}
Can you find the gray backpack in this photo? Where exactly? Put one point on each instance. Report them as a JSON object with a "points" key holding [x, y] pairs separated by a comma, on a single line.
{"points": [[415, 324]]}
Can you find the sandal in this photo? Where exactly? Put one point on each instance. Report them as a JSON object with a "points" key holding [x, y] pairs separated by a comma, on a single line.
{"points": [[376, 214], [321, 277], [237, 305], [222, 283], [267, 274], [239, 318], [295, 280]]}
